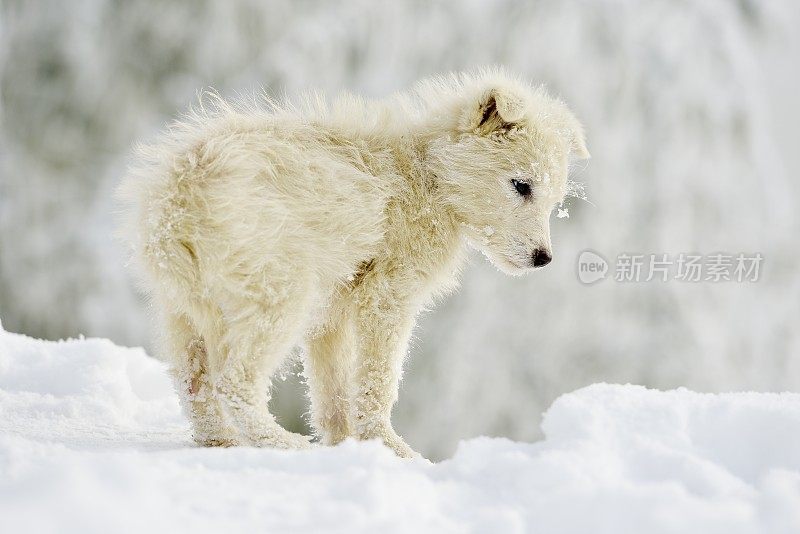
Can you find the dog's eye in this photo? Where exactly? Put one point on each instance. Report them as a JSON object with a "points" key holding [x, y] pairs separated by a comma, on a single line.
{"points": [[523, 188]]}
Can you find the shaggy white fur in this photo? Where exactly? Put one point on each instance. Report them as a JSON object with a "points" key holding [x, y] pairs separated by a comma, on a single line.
{"points": [[260, 226]]}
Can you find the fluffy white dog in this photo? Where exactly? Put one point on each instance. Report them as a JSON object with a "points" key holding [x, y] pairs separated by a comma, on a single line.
{"points": [[259, 227]]}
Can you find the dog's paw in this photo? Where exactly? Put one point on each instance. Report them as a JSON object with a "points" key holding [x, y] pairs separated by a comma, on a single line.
{"points": [[278, 438], [216, 442], [400, 447], [390, 438], [216, 437]]}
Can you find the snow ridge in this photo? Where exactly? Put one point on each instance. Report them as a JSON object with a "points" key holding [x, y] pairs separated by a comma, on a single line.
{"points": [[92, 440]]}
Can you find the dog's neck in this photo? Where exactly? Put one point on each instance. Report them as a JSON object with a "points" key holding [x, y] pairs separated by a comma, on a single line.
{"points": [[420, 177], [428, 238]]}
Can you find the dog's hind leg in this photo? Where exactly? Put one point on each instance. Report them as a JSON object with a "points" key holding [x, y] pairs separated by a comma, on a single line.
{"points": [[260, 333], [193, 382]]}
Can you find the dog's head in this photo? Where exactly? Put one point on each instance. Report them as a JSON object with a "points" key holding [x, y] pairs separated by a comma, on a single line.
{"points": [[503, 166]]}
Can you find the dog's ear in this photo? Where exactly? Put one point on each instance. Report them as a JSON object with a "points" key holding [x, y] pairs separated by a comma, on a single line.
{"points": [[496, 109], [577, 139]]}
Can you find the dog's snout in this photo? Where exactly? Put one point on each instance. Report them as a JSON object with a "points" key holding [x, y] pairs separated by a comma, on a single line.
{"points": [[540, 258]]}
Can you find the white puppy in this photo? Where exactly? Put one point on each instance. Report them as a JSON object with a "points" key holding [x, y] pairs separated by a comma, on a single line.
{"points": [[259, 228]]}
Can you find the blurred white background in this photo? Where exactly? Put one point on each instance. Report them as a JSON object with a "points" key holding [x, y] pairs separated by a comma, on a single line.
{"points": [[690, 108]]}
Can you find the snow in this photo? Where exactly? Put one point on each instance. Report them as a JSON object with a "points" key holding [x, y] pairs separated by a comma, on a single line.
{"points": [[677, 99], [92, 440]]}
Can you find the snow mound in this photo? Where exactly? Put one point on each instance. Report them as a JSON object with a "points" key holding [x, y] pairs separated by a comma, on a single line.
{"points": [[92, 440]]}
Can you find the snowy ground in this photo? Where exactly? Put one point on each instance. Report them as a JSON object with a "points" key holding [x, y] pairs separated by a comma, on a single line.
{"points": [[92, 440]]}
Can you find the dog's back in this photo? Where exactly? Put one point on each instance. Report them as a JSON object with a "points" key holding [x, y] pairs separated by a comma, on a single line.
{"points": [[222, 198]]}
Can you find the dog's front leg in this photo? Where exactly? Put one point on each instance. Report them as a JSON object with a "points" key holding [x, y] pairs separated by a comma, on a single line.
{"points": [[384, 326]]}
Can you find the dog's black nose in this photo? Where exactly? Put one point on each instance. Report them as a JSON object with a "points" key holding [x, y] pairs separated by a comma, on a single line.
{"points": [[540, 258]]}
